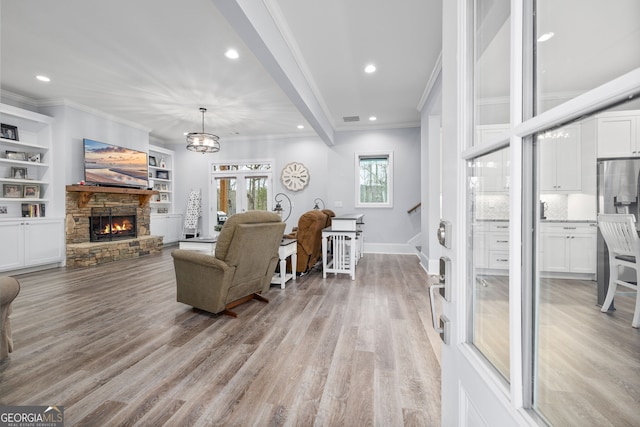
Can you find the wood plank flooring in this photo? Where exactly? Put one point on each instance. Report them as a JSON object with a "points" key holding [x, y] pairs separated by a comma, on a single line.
{"points": [[112, 346], [587, 362]]}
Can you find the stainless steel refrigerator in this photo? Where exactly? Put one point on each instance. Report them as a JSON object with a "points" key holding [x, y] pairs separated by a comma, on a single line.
{"points": [[618, 192]]}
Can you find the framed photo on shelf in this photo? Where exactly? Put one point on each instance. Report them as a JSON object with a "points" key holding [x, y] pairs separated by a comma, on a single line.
{"points": [[9, 132], [164, 187], [152, 161], [164, 197], [16, 155], [31, 191], [33, 157], [162, 174], [13, 191], [156, 186], [18, 173]]}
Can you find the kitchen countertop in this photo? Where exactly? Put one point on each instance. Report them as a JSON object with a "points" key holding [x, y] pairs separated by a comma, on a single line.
{"points": [[585, 221]]}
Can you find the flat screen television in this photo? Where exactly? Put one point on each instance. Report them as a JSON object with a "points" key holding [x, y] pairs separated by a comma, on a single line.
{"points": [[113, 166]]}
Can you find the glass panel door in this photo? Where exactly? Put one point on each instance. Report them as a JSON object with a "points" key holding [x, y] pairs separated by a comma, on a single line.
{"points": [[256, 193], [586, 364], [226, 194], [489, 287]]}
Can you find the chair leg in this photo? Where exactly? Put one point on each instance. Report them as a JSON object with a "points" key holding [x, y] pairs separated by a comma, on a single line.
{"points": [[232, 304], [636, 315], [611, 292]]}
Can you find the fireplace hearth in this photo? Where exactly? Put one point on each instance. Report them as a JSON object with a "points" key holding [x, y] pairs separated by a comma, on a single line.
{"points": [[112, 223]]}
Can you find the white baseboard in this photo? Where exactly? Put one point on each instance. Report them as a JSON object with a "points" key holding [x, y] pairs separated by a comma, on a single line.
{"points": [[389, 248]]}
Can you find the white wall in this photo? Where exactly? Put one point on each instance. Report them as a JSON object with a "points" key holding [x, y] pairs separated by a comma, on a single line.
{"points": [[70, 126], [385, 228], [331, 169], [331, 178]]}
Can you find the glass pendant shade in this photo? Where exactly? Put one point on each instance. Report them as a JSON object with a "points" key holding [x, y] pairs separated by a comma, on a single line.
{"points": [[203, 142]]}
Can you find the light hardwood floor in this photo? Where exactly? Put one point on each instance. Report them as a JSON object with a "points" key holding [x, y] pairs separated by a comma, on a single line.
{"points": [[587, 362], [111, 345]]}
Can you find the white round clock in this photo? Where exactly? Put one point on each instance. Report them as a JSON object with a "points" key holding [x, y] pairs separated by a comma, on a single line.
{"points": [[295, 176]]}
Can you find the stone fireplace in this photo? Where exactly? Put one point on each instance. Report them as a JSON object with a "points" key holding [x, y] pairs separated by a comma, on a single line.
{"points": [[93, 238]]}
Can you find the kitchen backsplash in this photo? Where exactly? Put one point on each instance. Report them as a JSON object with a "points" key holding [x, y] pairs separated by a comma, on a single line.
{"points": [[496, 206]]}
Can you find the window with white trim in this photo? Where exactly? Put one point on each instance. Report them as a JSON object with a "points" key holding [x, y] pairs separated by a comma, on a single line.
{"points": [[374, 180]]}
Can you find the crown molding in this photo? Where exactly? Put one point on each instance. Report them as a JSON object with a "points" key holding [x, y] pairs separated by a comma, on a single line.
{"points": [[437, 69], [63, 102]]}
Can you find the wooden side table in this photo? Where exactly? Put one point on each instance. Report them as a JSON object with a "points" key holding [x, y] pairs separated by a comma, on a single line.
{"points": [[288, 248]]}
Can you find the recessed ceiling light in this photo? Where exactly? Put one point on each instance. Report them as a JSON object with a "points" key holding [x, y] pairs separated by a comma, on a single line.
{"points": [[545, 37], [43, 78], [300, 127], [370, 68], [373, 118], [232, 54]]}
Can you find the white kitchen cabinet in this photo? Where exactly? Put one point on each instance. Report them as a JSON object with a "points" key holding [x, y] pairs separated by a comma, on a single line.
{"points": [[491, 245], [492, 169], [569, 247], [167, 225], [560, 160], [618, 134], [31, 242]]}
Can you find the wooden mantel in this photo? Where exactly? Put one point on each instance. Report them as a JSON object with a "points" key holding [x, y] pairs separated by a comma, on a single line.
{"points": [[86, 191]]}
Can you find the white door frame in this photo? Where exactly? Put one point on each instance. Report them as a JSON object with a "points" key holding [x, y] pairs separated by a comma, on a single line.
{"points": [[473, 393]]}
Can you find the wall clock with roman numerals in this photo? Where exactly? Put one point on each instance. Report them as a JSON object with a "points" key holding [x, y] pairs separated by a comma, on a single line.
{"points": [[295, 176]]}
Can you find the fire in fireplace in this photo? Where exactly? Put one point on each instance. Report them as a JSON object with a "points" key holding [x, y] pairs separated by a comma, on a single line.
{"points": [[114, 223]]}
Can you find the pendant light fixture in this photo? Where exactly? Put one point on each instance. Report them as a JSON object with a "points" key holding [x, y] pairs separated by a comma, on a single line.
{"points": [[203, 142]]}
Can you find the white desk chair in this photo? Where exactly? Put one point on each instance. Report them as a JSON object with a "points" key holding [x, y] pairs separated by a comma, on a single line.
{"points": [[620, 234]]}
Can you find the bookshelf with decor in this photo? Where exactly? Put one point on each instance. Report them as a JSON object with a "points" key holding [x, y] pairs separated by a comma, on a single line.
{"points": [[31, 236], [164, 220]]}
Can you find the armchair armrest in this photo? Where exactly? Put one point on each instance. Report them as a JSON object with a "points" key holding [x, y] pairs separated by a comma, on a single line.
{"points": [[198, 258], [202, 280]]}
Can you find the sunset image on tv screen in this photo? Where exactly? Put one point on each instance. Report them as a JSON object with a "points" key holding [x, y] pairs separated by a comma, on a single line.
{"points": [[107, 164]]}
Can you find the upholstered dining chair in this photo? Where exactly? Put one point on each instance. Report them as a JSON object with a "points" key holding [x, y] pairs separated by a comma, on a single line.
{"points": [[621, 236]]}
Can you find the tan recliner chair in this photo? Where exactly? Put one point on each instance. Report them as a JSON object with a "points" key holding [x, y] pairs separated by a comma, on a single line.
{"points": [[9, 290], [245, 259]]}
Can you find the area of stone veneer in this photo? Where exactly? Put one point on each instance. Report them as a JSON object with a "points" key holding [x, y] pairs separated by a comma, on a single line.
{"points": [[83, 253]]}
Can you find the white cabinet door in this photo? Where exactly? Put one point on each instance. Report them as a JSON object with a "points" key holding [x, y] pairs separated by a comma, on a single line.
{"points": [[555, 252], [43, 242], [12, 247], [617, 136], [480, 249], [560, 160], [569, 248], [174, 228], [158, 226], [168, 226], [583, 253], [494, 171]]}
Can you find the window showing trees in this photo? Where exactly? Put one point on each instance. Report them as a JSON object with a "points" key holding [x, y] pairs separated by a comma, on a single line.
{"points": [[374, 179]]}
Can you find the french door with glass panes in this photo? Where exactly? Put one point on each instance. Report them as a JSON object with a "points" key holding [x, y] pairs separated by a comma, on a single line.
{"points": [[238, 189], [527, 343]]}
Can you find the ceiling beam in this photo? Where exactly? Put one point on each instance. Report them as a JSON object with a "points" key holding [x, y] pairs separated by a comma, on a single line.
{"points": [[255, 25]]}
